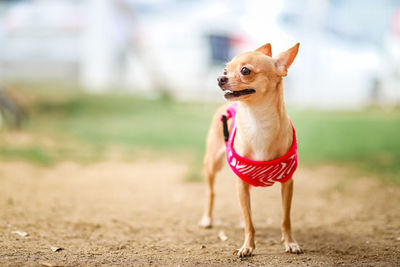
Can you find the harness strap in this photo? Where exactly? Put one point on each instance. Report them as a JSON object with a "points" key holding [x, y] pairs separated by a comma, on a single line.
{"points": [[225, 128]]}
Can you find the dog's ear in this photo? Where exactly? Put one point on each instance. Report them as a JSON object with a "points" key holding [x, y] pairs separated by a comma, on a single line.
{"points": [[285, 59], [265, 49]]}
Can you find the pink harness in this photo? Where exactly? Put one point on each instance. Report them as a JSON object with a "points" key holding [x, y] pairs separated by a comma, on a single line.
{"points": [[260, 173]]}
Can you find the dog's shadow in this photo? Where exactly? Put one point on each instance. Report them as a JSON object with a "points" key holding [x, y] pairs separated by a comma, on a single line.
{"points": [[334, 245]]}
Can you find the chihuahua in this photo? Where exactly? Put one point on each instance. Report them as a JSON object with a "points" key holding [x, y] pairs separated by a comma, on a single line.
{"points": [[261, 148]]}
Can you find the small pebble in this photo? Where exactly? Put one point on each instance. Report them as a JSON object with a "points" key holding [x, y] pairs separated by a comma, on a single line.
{"points": [[55, 249]]}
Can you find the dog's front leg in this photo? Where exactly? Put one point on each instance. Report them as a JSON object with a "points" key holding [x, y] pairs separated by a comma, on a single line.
{"points": [[290, 244], [249, 246]]}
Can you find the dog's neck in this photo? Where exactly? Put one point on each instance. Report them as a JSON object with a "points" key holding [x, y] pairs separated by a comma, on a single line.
{"points": [[264, 131]]}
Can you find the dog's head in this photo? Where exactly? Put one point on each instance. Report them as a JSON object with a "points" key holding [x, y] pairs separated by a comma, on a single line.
{"points": [[254, 74]]}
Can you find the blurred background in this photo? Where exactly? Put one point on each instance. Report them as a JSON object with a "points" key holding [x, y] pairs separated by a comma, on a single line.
{"points": [[88, 80]]}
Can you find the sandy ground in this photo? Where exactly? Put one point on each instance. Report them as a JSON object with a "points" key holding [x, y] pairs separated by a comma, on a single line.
{"points": [[144, 213]]}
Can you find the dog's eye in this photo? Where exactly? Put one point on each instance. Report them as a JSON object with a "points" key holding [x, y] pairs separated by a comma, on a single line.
{"points": [[225, 72], [245, 71]]}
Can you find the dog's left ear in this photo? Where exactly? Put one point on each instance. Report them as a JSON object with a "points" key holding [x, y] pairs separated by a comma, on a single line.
{"points": [[285, 59], [265, 49]]}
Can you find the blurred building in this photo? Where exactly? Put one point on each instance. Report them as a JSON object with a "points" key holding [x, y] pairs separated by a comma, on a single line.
{"points": [[348, 56]]}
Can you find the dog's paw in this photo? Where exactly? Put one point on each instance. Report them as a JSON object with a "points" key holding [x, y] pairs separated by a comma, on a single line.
{"points": [[205, 222], [243, 252], [293, 247]]}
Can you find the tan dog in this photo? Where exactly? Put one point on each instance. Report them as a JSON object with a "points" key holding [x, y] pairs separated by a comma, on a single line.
{"points": [[264, 131]]}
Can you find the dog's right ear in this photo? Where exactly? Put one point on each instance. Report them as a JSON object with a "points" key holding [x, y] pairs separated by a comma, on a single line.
{"points": [[265, 49]]}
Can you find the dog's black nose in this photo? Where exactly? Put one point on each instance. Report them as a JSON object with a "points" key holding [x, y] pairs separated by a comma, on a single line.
{"points": [[222, 80]]}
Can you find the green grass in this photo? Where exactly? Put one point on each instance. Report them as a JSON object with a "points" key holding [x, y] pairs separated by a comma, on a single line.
{"points": [[367, 139], [30, 153], [85, 128], [128, 122]]}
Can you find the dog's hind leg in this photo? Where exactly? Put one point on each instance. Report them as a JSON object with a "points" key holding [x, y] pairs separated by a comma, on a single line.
{"points": [[289, 242], [212, 164], [213, 161]]}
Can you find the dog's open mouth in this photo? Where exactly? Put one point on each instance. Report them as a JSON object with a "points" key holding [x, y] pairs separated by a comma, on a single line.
{"points": [[232, 94]]}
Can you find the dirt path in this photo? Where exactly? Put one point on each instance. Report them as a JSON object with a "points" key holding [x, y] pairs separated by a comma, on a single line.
{"points": [[115, 213]]}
